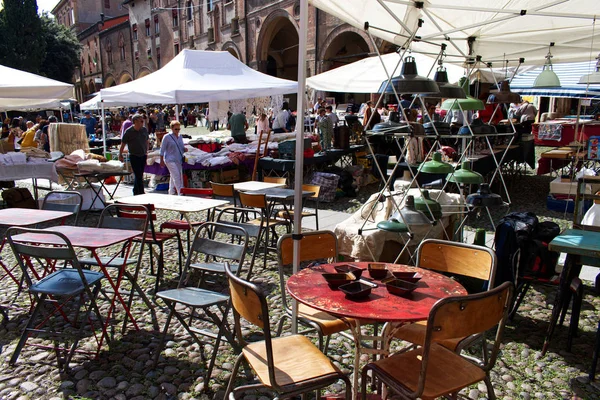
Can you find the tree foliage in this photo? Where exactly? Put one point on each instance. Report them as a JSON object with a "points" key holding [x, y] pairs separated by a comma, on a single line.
{"points": [[62, 50], [36, 44]]}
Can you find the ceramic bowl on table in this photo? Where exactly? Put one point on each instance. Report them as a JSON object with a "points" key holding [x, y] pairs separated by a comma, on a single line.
{"points": [[378, 270], [407, 276], [335, 280], [353, 269], [400, 287], [356, 290]]}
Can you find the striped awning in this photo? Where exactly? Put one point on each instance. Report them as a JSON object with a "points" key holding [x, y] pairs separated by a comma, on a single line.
{"points": [[569, 75]]}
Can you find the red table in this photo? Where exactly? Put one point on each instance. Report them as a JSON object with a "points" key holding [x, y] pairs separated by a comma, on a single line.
{"points": [[24, 217], [310, 288], [94, 239]]}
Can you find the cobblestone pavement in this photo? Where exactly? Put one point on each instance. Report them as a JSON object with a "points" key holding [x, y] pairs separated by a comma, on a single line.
{"points": [[124, 368]]}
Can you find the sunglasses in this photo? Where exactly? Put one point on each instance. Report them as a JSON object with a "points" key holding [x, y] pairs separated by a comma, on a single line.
{"points": [[176, 129]]}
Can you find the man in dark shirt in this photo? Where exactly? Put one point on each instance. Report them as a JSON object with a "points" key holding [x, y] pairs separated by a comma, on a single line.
{"points": [[136, 139], [90, 124], [237, 125]]}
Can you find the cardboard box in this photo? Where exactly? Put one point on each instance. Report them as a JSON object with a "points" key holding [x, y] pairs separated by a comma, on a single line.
{"points": [[230, 176]]}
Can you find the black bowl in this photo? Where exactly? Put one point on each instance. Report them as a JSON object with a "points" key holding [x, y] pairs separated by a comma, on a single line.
{"points": [[345, 268], [356, 290], [378, 270], [335, 280], [400, 287], [412, 277]]}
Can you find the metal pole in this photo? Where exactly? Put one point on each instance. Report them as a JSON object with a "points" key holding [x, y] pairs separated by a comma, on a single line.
{"points": [[177, 112], [103, 127], [299, 167]]}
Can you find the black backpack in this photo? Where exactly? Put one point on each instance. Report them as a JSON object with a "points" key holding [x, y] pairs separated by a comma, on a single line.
{"points": [[513, 235]]}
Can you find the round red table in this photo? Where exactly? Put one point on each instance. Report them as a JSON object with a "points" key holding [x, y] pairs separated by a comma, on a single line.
{"points": [[310, 288]]}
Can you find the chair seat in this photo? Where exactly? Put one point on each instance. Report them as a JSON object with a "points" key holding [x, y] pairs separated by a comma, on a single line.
{"points": [[290, 214], [114, 262], [160, 237], [297, 360], [214, 267], [272, 222], [65, 282], [328, 323], [193, 297], [180, 224], [406, 367], [415, 334]]}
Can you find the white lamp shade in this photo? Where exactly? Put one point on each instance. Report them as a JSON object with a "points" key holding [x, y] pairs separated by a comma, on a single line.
{"points": [[546, 79], [592, 79]]}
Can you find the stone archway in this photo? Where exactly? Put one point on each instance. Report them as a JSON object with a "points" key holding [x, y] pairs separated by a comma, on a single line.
{"points": [[109, 81], [125, 77], [143, 72], [232, 48], [92, 86], [278, 42]]}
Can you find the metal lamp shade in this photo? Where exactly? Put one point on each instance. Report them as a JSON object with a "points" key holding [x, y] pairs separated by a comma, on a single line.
{"points": [[504, 95], [547, 79], [409, 82], [436, 166], [393, 225], [425, 204], [484, 197], [447, 90], [591, 79], [468, 103], [466, 175], [411, 216]]}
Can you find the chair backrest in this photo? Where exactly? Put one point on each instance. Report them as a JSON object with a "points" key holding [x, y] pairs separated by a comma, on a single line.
{"points": [[222, 189], [26, 251], [461, 316], [112, 217], [249, 302], [68, 201], [205, 193], [274, 179], [133, 211], [458, 258], [316, 245], [253, 200], [312, 188]]}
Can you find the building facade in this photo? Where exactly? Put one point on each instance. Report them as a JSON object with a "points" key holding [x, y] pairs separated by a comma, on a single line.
{"points": [[262, 34]]}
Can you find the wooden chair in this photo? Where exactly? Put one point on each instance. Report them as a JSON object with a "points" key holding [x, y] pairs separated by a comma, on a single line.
{"points": [[195, 298], [433, 371], [182, 224], [68, 201], [275, 179], [288, 365], [317, 245], [458, 259], [153, 238], [289, 215], [60, 292], [225, 191]]}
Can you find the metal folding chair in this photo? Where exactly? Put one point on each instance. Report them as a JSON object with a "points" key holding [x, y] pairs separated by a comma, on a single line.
{"points": [[57, 290], [289, 365], [194, 298], [68, 201]]}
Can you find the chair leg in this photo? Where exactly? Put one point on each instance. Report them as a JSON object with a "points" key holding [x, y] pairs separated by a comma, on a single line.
{"points": [[596, 354], [574, 323], [490, 388], [163, 336], [151, 258], [363, 383], [521, 292], [25, 333], [234, 373]]}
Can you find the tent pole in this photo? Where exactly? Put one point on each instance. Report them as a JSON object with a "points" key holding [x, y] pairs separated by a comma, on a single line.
{"points": [[102, 119], [299, 167], [62, 118], [177, 112]]}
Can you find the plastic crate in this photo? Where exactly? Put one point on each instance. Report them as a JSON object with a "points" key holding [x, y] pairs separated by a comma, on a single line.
{"points": [[559, 205]]}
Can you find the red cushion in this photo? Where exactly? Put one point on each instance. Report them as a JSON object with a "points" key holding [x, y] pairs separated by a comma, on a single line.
{"points": [[160, 236], [179, 224]]}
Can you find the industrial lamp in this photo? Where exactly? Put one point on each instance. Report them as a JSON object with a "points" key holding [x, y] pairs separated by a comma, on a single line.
{"points": [[436, 166], [410, 82], [547, 78], [447, 90], [468, 103], [504, 95], [594, 77], [484, 197], [465, 175]]}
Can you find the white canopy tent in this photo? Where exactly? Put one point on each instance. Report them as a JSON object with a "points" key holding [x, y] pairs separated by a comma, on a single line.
{"points": [[95, 103], [20, 90], [496, 31], [199, 76], [366, 75]]}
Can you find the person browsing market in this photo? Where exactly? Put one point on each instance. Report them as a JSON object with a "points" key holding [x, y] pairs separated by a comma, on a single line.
{"points": [[172, 152], [136, 140]]}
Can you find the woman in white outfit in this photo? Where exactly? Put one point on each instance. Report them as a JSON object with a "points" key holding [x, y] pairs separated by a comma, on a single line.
{"points": [[171, 155]]}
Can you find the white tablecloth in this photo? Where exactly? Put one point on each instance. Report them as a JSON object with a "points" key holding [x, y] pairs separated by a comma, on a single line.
{"points": [[40, 170]]}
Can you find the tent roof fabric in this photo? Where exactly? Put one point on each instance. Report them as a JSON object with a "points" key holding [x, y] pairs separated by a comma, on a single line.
{"points": [[568, 74], [24, 85], [95, 103], [196, 75], [366, 75], [500, 30]]}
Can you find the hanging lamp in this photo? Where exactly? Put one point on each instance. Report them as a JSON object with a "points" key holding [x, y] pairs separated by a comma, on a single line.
{"points": [[547, 78], [484, 197], [594, 77], [409, 81], [436, 165], [431, 208], [466, 175], [504, 95], [411, 215], [447, 90], [468, 103]]}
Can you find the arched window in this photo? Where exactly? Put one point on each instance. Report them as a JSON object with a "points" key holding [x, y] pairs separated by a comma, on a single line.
{"points": [[121, 47], [189, 9], [108, 46]]}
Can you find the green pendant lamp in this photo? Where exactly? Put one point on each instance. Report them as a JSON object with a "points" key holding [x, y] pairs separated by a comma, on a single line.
{"points": [[436, 165], [547, 78], [465, 175], [431, 208], [466, 104], [410, 82]]}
